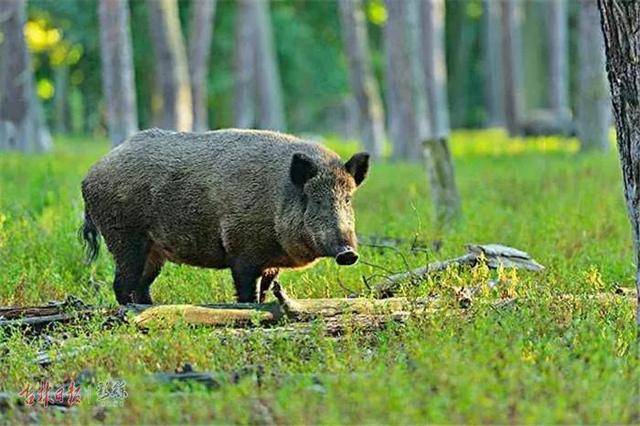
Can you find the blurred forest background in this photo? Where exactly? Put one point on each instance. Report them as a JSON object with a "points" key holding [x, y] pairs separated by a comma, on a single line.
{"points": [[297, 56]]}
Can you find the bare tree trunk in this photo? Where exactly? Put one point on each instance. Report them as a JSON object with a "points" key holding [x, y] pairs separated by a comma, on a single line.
{"points": [[619, 19], [270, 108], [202, 17], [172, 70], [594, 107], [465, 33], [439, 163], [558, 26], [22, 125], [363, 83], [61, 98], [117, 70], [492, 47], [402, 124], [435, 66], [244, 51], [512, 65], [421, 111]]}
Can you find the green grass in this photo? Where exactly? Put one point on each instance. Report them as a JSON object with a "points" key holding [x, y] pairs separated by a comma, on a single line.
{"points": [[548, 361]]}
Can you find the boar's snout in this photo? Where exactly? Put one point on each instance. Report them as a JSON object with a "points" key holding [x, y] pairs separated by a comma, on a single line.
{"points": [[346, 256]]}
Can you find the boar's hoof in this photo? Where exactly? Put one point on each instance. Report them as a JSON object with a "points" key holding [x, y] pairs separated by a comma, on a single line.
{"points": [[347, 257]]}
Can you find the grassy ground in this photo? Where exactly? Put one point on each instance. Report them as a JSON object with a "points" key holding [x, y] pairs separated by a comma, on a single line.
{"points": [[547, 361]]}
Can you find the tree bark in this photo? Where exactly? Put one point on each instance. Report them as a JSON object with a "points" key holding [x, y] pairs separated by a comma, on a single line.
{"points": [[202, 18], [492, 48], [620, 23], [512, 65], [117, 70], [270, 107], [421, 111], [22, 125], [558, 25], [435, 66], [464, 38], [363, 83], [61, 99], [172, 71], [244, 59], [594, 107], [402, 123], [438, 160]]}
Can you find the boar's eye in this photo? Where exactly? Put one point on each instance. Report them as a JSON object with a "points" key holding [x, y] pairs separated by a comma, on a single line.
{"points": [[348, 199]]}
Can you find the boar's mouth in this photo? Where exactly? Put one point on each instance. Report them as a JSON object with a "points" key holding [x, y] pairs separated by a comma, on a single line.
{"points": [[346, 255]]}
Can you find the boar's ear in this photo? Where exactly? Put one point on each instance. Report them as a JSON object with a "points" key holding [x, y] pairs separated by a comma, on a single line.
{"points": [[302, 169], [358, 166]]}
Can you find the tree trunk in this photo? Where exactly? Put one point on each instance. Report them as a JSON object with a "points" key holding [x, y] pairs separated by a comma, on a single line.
{"points": [[117, 70], [558, 25], [594, 107], [270, 108], [61, 99], [421, 111], [202, 17], [244, 59], [435, 66], [620, 20], [439, 164], [402, 124], [363, 83], [172, 71], [465, 34], [22, 125], [492, 48], [512, 65]]}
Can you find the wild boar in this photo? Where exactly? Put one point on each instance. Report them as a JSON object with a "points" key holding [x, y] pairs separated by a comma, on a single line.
{"points": [[252, 201]]}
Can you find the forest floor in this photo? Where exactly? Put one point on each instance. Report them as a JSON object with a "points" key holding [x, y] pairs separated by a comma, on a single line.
{"points": [[548, 360]]}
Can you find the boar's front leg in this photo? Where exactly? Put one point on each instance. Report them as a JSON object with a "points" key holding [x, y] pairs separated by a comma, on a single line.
{"points": [[245, 279], [268, 277]]}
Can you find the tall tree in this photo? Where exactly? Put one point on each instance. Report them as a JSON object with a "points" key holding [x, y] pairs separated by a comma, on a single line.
{"points": [[593, 106], [492, 50], [243, 73], [439, 163], [620, 19], [61, 98], [22, 125], [117, 70], [558, 25], [202, 17], [421, 112], [512, 65], [464, 37], [363, 83], [270, 107], [172, 71], [403, 127]]}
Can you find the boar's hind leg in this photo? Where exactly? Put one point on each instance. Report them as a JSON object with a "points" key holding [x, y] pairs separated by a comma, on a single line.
{"points": [[245, 279], [130, 257], [152, 268]]}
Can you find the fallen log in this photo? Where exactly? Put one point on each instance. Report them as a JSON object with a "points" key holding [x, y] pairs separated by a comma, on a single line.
{"points": [[305, 309], [38, 318], [493, 255], [245, 315], [238, 315]]}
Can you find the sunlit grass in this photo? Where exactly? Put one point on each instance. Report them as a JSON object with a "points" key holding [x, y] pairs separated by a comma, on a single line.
{"points": [[548, 361]]}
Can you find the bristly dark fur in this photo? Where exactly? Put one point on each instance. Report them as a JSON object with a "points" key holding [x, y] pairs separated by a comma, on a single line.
{"points": [[252, 201], [89, 233]]}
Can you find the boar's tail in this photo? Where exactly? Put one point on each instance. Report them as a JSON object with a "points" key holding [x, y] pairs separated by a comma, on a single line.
{"points": [[91, 237]]}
